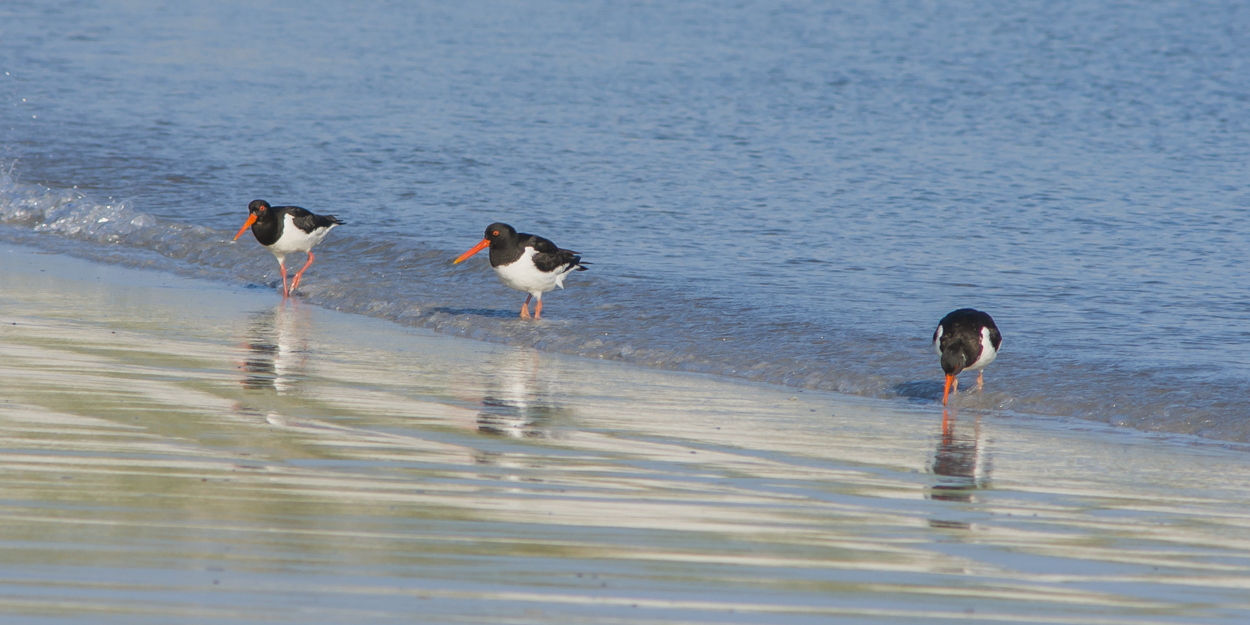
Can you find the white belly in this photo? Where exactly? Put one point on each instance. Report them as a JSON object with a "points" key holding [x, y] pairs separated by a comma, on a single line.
{"points": [[523, 276], [295, 240]]}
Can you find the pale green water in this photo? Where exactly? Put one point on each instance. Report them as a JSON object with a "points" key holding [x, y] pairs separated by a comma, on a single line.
{"points": [[173, 451]]}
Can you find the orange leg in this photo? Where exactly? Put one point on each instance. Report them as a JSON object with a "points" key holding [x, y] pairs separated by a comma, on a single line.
{"points": [[538, 309], [285, 291], [980, 380], [295, 283], [525, 308]]}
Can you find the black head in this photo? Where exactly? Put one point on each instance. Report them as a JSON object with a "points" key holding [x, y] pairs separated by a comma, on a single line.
{"points": [[258, 207], [499, 232], [497, 237], [954, 359], [259, 211]]}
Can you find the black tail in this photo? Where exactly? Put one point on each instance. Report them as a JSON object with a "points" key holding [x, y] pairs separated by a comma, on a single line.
{"points": [[325, 221]]}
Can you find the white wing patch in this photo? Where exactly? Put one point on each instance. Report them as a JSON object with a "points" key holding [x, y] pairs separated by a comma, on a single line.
{"points": [[988, 353]]}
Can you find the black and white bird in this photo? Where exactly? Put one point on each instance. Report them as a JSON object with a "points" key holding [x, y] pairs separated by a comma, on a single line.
{"points": [[527, 263], [967, 340], [287, 229]]}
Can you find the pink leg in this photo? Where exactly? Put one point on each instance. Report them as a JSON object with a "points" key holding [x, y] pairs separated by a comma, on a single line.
{"points": [[538, 309], [525, 308], [295, 282], [285, 291]]}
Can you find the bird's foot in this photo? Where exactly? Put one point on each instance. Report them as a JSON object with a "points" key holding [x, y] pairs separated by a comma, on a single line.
{"points": [[525, 312]]}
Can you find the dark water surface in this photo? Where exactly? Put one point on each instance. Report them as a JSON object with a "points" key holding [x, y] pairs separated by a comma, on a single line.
{"points": [[786, 192]]}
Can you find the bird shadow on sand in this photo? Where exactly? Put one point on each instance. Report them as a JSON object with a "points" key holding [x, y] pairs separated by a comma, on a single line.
{"points": [[921, 390], [479, 312]]}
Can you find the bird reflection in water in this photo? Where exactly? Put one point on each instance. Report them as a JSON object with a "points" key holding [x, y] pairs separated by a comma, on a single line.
{"points": [[517, 403], [277, 348], [959, 462]]}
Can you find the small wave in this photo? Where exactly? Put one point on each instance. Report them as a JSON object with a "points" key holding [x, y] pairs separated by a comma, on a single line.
{"points": [[74, 215], [68, 213]]}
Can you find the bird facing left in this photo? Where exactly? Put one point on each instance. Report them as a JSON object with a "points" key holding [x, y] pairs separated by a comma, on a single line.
{"points": [[286, 229], [525, 262]]}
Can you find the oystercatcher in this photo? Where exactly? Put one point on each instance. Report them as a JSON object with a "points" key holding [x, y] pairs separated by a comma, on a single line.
{"points": [[527, 263], [286, 229], [966, 339]]}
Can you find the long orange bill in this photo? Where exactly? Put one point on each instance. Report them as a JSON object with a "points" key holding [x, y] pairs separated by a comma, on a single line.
{"points": [[477, 248], [251, 219], [949, 378]]}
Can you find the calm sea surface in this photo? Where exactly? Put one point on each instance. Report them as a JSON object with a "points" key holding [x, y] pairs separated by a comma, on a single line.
{"points": [[788, 192]]}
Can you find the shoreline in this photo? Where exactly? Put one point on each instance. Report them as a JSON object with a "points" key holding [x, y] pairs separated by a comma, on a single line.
{"points": [[151, 262], [152, 424]]}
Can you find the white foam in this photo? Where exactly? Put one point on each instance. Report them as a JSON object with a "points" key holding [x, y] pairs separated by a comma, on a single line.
{"points": [[67, 212]]}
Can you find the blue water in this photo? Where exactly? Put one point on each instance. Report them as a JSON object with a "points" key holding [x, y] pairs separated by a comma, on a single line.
{"points": [[786, 192]]}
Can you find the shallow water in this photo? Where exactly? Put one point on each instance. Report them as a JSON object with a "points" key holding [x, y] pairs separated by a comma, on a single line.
{"points": [[787, 193], [176, 451]]}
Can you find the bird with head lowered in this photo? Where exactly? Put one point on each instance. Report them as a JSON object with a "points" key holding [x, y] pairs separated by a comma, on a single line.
{"points": [[967, 340]]}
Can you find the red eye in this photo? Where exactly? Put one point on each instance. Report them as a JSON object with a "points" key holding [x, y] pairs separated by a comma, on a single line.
{"points": [[495, 233]]}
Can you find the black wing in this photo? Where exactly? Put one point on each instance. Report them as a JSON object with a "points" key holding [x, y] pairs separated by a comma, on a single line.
{"points": [[308, 222], [548, 257]]}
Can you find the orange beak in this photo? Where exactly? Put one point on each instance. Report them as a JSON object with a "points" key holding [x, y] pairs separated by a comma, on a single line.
{"points": [[251, 219], [477, 248], [947, 394]]}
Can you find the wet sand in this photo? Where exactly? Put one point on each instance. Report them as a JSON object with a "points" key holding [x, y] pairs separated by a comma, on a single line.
{"points": [[181, 451]]}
